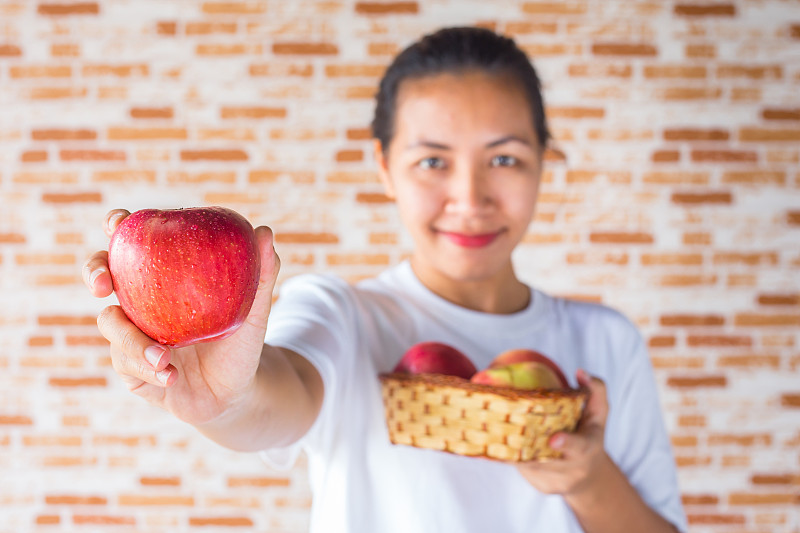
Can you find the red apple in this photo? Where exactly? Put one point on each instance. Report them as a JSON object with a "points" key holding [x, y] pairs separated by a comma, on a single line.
{"points": [[435, 358], [185, 276], [527, 375], [521, 355]]}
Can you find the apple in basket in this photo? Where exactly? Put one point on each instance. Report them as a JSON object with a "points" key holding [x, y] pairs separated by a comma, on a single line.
{"points": [[435, 358], [522, 369], [185, 275]]}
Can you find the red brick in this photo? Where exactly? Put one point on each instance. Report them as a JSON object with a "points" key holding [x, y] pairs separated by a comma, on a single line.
{"points": [[65, 50], [702, 198], [48, 520], [751, 72], [227, 49], [697, 381], [234, 8], [794, 31], [775, 479], [704, 51], [209, 28], [72, 197], [78, 382], [12, 238], [790, 399], [757, 498], [63, 9], [387, 8], [665, 156], [324, 49], [715, 519], [151, 112], [620, 238], [151, 133], [15, 420], [349, 156], [749, 361], [719, 341], [63, 135], [555, 8], [258, 481], [158, 481], [33, 156], [119, 71], [772, 113], [767, 320], [372, 198], [57, 93], [306, 238], [103, 520], [700, 499], [662, 341], [692, 320], [779, 299], [10, 50], [624, 49], [769, 135], [282, 70], [675, 71], [754, 177], [705, 10], [167, 27], [92, 155], [213, 155], [696, 134], [724, 156], [40, 71], [571, 112], [252, 112], [140, 500], [219, 521], [597, 70], [683, 259], [70, 499], [793, 218]]}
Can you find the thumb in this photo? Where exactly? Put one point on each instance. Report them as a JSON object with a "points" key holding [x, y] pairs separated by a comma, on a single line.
{"points": [[270, 265]]}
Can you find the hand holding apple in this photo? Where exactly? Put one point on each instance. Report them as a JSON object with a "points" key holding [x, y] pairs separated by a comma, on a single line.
{"points": [[198, 382], [185, 275]]}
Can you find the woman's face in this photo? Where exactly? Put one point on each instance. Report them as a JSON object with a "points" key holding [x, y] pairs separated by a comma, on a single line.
{"points": [[463, 167]]}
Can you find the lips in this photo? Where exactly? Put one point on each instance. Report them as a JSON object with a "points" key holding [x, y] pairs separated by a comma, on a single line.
{"points": [[470, 241]]}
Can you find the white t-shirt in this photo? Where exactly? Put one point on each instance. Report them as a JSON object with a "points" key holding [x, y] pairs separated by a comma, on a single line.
{"points": [[361, 483]]}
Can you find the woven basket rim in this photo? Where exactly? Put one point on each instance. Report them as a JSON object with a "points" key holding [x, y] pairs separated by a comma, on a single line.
{"points": [[442, 380]]}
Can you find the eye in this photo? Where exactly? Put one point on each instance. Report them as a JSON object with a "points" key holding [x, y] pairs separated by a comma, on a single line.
{"points": [[504, 161], [431, 163]]}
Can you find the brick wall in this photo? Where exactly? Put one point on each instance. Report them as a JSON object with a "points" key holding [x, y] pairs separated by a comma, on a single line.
{"points": [[672, 192]]}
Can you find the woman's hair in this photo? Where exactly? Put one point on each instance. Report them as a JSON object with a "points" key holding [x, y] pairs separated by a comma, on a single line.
{"points": [[457, 50]]}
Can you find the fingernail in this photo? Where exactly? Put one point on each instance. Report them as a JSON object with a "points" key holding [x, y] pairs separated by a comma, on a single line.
{"points": [[557, 441], [153, 354], [163, 376], [96, 274]]}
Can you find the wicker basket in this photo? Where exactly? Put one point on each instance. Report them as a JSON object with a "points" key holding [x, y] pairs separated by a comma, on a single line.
{"points": [[454, 415]]}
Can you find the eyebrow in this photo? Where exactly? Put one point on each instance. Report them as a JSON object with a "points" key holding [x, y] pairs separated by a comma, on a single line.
{"points": [[493, 144]]}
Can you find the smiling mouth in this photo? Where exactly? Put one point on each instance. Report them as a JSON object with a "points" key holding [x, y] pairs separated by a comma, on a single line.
{"points": [[470, 241]]}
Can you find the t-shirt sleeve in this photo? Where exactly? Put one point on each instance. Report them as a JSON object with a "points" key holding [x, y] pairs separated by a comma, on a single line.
{"points": [[314, 318], [636, 436]]}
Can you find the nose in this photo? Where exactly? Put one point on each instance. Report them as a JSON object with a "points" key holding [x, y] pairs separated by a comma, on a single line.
{"points": [[469, 192]]}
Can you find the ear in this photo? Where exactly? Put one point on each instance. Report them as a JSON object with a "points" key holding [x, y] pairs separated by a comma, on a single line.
{"points": [[383, 168]]}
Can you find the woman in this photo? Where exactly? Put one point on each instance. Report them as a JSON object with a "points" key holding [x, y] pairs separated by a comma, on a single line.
{"points": [[460, 134]]}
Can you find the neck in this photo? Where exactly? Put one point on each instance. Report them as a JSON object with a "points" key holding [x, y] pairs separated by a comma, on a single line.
{"points": [[502, 293]]}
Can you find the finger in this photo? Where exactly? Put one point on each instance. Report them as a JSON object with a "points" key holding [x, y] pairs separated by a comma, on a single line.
{"points": [[113, 219], [597, 403], [270, 265], [135, 355], [96, 275]]}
